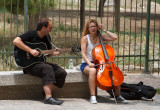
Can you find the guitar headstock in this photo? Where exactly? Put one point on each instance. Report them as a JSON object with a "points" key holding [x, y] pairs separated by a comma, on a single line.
{"points": [[75, 49]]}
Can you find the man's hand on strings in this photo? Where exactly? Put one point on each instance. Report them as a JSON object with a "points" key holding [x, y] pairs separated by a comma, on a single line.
{"points": [[34, 52], [55, 53]]}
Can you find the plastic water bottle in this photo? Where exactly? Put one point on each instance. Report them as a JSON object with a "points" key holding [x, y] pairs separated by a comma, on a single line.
{"points": [[70, 63]]}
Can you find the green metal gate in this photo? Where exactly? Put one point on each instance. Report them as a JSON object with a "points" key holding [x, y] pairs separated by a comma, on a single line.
{"points": [[136, 22]]}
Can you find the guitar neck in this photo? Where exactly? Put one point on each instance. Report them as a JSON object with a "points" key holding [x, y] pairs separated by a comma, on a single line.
{"points": [[51, 51]]}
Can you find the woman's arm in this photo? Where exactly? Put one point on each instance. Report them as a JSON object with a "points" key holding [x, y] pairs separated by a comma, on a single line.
{"points": [[109, 36]]}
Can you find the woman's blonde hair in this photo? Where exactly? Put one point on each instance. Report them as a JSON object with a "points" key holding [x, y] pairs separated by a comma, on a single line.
{"points": [[85, 29]]}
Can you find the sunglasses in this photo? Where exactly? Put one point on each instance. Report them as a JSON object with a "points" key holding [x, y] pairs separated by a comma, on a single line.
{"points": [[92, 27]]}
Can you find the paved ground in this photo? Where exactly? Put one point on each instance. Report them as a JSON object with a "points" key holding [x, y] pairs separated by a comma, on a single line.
{"points": [[80, 104]]}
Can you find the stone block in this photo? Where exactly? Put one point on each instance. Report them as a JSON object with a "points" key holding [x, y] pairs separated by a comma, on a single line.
{"points": [[16, 85]]}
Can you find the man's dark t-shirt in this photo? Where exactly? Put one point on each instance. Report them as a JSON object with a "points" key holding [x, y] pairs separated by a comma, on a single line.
{"points": [[32, 37]]}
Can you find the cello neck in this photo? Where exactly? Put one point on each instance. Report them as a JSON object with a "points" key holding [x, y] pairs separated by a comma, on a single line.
{"points": [[103, 46]]}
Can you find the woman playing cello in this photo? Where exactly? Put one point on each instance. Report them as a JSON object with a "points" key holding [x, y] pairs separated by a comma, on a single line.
{"points": [[89, 40]]}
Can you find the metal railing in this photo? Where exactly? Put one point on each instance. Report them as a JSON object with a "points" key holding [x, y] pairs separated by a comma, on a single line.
{"points": [[136, 22]]}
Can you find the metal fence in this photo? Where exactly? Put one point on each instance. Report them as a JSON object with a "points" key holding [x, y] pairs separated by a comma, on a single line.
{"points": [[136, 22]]}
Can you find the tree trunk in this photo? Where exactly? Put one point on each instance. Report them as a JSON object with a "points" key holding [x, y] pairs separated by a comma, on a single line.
{"points": [[82, 15], [101, 8], [33, 19], [44, 13], [117, 15]]}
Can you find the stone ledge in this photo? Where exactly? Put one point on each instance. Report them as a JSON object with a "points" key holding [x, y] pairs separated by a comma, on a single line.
{"points": [[16, 85], [8, 78]]}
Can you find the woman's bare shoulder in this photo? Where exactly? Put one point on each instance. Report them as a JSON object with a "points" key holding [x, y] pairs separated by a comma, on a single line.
{"points": [[84, 38]]}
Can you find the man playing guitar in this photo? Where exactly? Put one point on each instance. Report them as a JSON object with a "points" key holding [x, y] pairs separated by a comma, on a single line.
{"points": [[52, 75]]}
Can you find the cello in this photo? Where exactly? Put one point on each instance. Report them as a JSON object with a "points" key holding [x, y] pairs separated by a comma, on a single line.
{"points": [[109, 76]]}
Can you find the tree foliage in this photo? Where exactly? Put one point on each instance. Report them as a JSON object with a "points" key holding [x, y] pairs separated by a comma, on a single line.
{"points": [[34, 6]]}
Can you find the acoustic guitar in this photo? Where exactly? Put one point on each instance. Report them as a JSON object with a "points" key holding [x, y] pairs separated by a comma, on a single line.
{"points": [[24, 59]]}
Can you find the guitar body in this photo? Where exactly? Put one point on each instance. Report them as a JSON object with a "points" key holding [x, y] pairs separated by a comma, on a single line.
{"points": [[23, 59]]}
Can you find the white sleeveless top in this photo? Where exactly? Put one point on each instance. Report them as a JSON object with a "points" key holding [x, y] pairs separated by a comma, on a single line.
{"points": [[90, 47]]}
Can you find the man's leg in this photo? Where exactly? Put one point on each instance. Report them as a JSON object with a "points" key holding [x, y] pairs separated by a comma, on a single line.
{"points": [[46, 72], [48, 90]]}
